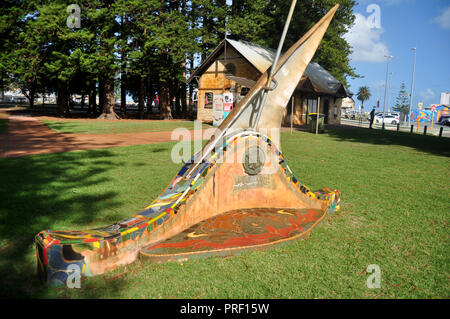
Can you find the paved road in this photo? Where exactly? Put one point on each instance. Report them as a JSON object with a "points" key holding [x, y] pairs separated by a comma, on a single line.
{"points": [[403, 128]]}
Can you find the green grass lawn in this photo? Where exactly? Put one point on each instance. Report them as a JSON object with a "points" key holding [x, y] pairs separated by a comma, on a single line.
{"points": [[3, 126], [117, 127], [394, 213]]}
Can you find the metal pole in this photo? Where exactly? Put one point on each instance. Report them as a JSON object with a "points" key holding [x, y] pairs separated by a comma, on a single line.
{"points": [[412, 87], [385, 84], [360, 115], [275, 62], [389, 94], [292, 112], [432, 120], [317, 118]]}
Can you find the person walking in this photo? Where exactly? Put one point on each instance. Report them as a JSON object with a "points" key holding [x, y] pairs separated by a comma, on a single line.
{"points": [[372, 117]]}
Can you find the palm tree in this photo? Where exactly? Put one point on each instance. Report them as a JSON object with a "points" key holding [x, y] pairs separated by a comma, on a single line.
{"points": [[363, 94]]}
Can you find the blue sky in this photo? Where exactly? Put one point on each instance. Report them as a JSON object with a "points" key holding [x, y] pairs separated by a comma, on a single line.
{"points": [[400, 26]]}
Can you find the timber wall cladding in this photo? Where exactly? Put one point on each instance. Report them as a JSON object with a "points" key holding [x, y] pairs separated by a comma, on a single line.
{"points": [[298, 111], [214, 79]]}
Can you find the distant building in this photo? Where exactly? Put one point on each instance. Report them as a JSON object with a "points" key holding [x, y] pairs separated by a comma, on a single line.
{"points": [[235, 66], [14, 96], [445, 98], [348, 103]]}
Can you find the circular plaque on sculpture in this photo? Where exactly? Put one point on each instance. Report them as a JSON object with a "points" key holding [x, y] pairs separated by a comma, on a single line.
{"points": [[253, 160]]}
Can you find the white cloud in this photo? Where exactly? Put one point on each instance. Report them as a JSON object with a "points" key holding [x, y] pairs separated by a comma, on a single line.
{"points": [[378, 84], [444, 19], [366, 42], [427, 94], [387, 2]]}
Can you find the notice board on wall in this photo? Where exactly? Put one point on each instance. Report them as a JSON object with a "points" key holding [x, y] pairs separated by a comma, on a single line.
{"points": [[228, 101], [217, 109]]}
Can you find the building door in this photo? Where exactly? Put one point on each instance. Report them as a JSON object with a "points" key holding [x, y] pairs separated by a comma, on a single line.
{"points": [[326, 106], [310, 106]]}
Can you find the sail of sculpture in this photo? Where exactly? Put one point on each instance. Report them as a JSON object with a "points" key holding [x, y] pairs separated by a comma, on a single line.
{"points": [[237, 194], [288, 72]]}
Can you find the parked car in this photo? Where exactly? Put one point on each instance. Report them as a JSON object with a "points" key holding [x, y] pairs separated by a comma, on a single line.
{"points": [[348, 114], [444, 120], [380, 114], [388, 118]]}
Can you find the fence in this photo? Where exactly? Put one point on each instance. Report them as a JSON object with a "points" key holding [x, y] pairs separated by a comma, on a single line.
{"points": [[415, 128]]}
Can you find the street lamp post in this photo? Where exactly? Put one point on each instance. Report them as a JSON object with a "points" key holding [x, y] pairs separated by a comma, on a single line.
{"points": [[412, 88], [389, 94], [385, 85]]}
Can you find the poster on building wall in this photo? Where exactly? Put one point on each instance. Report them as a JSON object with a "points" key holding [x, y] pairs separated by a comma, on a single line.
{"points": [[227, 102], [218, 109]]}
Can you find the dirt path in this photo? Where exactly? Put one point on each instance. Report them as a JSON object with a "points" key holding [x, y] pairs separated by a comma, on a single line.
{"points": [[28, 136]]}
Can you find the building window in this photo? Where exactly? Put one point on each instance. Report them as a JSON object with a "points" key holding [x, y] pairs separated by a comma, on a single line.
{"points": [[310, 105], [209, 96]]}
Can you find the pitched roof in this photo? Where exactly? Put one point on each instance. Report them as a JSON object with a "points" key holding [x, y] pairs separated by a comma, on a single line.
{"points": [[261, 58]]}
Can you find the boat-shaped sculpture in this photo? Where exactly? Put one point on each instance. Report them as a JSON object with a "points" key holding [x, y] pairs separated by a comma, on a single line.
{"points": [[237, 194]]}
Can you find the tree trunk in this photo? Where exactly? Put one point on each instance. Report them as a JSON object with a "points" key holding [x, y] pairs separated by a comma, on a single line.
{"points": [[30, 95], [63, 99], [82, 101], [191, 102], [175, 97], [108, 108], [123, 96], [164, 102], [31, 101], [31, 98], [141, 96], [150, 94], [3, 86], [92, 100], [183, 100], [182, 94], [101, 97], [171, 95], [191, 87]]}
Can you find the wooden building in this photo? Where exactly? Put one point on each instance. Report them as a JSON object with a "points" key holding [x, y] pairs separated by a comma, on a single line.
{"points": [[235, 66]]}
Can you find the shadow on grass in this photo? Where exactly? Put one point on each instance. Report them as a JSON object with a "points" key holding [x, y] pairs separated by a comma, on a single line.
{"points": [[55, 191], [117, 127], [430, 144], [3, 126], [64, 127], [159, 149]]}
